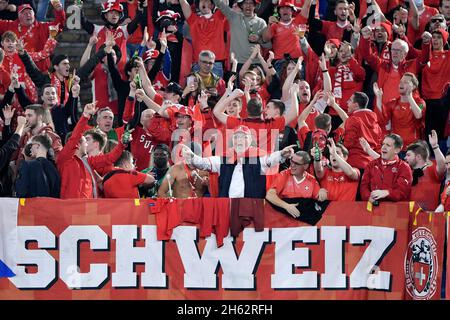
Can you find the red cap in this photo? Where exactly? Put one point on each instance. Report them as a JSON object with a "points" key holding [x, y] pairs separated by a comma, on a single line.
{"points": [[335, 41], [111, 5], [150, 54], [287, 3], [168, 14], [23, 7], [184, 111], [243, 129], [443, 33]]}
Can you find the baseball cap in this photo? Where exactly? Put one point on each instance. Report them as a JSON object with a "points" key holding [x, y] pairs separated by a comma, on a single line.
{"points": [[24, 7], [242, 129]]}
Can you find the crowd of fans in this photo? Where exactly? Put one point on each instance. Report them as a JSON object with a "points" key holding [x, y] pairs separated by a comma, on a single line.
{"points": [[300, 102]]}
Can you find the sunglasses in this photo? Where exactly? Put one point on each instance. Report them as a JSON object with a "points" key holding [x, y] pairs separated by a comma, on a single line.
{"points": [[437, 20], [207, 62]]}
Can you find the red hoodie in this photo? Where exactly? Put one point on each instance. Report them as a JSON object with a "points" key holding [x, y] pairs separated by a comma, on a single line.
{"points": [[361, 123]]}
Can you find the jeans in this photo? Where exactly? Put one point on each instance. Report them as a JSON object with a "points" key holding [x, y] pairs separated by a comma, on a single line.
{"points": [[217, 69], [42, 8]]}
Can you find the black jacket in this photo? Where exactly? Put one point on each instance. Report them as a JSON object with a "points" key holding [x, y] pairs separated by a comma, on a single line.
{"points": [[38, 178]]}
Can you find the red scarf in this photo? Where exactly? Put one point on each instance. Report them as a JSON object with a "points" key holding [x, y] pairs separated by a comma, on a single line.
{"points": [[343, 73]]}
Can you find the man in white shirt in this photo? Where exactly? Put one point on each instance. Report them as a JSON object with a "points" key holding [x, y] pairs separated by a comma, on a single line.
{"points": [[242, 171]]}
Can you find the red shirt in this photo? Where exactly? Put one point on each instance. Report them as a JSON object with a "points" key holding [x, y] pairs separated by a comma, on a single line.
{"points": [[403, 121], [287, 186], [436, 75], [267, 131], [331, 30], [208, 34], [124, 185], [284, 39], [141, 147], [394, 176], [426, 191], [339, 185]]}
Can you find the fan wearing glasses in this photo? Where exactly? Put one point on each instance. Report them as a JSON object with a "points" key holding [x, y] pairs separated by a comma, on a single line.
{"points": [[295, 192]]}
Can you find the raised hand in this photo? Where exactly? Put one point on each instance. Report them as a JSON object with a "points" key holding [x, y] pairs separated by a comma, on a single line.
{"points": [[8, 113], [233, 59], [377, 90], [323, 62], [288, 151], [366, 32], [433, 139], [426, 37], [140, 95], [90, 109], [230, 85], [20, 46], [93, 39], [163, 39], [237, 93], [255, 51]]}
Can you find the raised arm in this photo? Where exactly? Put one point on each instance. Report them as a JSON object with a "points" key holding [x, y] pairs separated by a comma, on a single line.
{"points": [[226, 10], [290, 80], [438, 155], [331, 100], [351, 172], [87, 52], [292, 113], [255, 50], [219, 109], [186, 8]]}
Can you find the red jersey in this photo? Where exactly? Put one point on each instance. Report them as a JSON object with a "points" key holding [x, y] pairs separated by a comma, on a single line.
{"points": [[394, 176], [124, 184], [403, 121], [339, 185], [267, 131], [435, 75], [208, 34], [284, 39], [288, 186], [426, 191], [141, 147], [332, 30]]}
